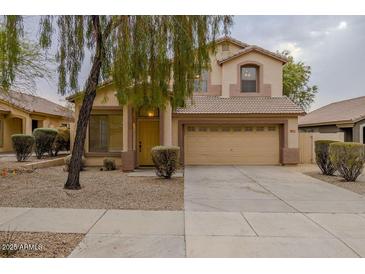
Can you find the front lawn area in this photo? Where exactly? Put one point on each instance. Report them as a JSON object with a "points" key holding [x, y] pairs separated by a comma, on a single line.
{"points": [[100, 190]]}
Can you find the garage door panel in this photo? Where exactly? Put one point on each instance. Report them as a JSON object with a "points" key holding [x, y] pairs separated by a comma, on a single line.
{"points": [[232, 147]]}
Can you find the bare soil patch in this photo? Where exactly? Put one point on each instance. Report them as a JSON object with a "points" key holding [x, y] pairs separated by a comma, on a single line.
{"points": [[37, 244], [100, 190]]}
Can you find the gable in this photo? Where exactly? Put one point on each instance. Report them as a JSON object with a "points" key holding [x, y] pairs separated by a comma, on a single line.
{"points": [[255, 49]]}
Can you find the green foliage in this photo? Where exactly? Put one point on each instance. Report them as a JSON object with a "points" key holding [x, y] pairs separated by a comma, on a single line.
{"points": [[22, 145], [108, 164], [67, 161], [166, 160], [62, 140], [348, 158], [296, 86], [21, 62], [323, 161], [44, 139], [140, 53]]}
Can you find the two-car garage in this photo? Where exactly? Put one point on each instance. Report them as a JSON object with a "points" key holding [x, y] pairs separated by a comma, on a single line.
{"points": [[231, 144]]}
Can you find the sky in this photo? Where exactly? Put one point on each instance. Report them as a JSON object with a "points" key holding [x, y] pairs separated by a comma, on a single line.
{"points": [[332, 45]]}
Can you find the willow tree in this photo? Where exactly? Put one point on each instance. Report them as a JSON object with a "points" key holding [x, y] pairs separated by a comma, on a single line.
{"points": [[22, 62], [142, 54]]}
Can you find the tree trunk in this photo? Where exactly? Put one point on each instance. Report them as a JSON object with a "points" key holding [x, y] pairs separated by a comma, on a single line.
{"points": [[84, 114]]}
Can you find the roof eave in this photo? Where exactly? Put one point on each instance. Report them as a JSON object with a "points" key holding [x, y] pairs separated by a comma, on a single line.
{"points": [[283, 60], [329, 123]]}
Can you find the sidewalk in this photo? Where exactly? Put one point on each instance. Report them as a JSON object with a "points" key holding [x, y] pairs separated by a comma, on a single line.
{"points": [[109, 233]]}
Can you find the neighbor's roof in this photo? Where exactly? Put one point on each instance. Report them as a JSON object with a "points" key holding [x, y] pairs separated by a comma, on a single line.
{"points": [[251, 48], [347, 111], [32, 103], [240, 105]]}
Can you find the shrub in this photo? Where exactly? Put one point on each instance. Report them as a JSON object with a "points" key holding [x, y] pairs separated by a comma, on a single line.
{"points": [[44, 139], [323, 161], [108, 164], [166, 160], [62, 140], [348, 158], [23, 146], [68, 161]]}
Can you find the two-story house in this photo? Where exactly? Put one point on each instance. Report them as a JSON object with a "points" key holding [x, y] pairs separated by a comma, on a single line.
{"points": [[238, 115]]}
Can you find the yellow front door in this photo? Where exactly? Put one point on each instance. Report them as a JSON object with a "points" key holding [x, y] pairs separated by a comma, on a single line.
{"points": [[148, 137]]}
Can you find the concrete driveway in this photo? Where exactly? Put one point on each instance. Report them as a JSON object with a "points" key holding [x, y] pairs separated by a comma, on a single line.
{"points": [[234, 211]]}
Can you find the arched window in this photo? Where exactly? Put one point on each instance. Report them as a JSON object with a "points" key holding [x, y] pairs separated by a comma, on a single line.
{"points": [[249, 78]]}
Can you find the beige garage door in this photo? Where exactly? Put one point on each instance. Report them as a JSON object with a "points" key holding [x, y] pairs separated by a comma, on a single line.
{"points": [[226, 145]]}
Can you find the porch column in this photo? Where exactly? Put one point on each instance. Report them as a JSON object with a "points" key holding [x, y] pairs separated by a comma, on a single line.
{"points": [[125, 128], [167, 125], [27, 125], [128, 154]]}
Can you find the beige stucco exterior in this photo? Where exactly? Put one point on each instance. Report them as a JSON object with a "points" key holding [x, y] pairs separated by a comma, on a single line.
{"points": [[224, 80], [19, 121]]}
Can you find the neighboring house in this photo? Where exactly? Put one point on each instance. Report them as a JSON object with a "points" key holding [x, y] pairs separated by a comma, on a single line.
{"points": [[346, 116], [238, 115], [22, 113]]}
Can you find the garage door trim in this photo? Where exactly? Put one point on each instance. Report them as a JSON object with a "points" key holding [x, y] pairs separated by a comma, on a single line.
{"points": [[282, 123]]}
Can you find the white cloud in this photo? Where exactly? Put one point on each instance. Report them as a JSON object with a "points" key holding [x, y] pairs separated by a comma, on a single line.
{"points": [[342, 25], [292, 47]]}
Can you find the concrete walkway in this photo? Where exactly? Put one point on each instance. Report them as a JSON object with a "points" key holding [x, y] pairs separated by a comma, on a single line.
{"points": [[229, 212]]}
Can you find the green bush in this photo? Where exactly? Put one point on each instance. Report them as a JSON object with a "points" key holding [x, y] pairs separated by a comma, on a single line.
{"points": [[166, 160], [321, 148], [68, 161], [62, 140], [44, 139], [22, 145], [108, 164], [348, 158]]}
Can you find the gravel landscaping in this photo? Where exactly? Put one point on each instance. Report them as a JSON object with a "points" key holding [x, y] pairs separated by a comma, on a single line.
{"points": [[37, 244], [314, 171], [358, 186], [100, 190]]}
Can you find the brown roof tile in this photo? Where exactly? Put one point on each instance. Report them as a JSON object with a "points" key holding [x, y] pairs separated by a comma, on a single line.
{"points": [[350, 110], [232, 40], [240, 105], [31, 103]]}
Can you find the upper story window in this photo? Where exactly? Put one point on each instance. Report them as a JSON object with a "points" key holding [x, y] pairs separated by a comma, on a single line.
{"points": [[201, 82], [249, 78]]}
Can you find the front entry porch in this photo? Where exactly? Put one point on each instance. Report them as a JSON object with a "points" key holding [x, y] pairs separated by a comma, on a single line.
{"points": [[143, 130]]}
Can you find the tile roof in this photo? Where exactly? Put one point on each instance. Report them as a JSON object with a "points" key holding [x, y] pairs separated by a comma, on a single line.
{"points": [[31, 103], [240, 105], [254, 48], [350, 111], [232, 40]]}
